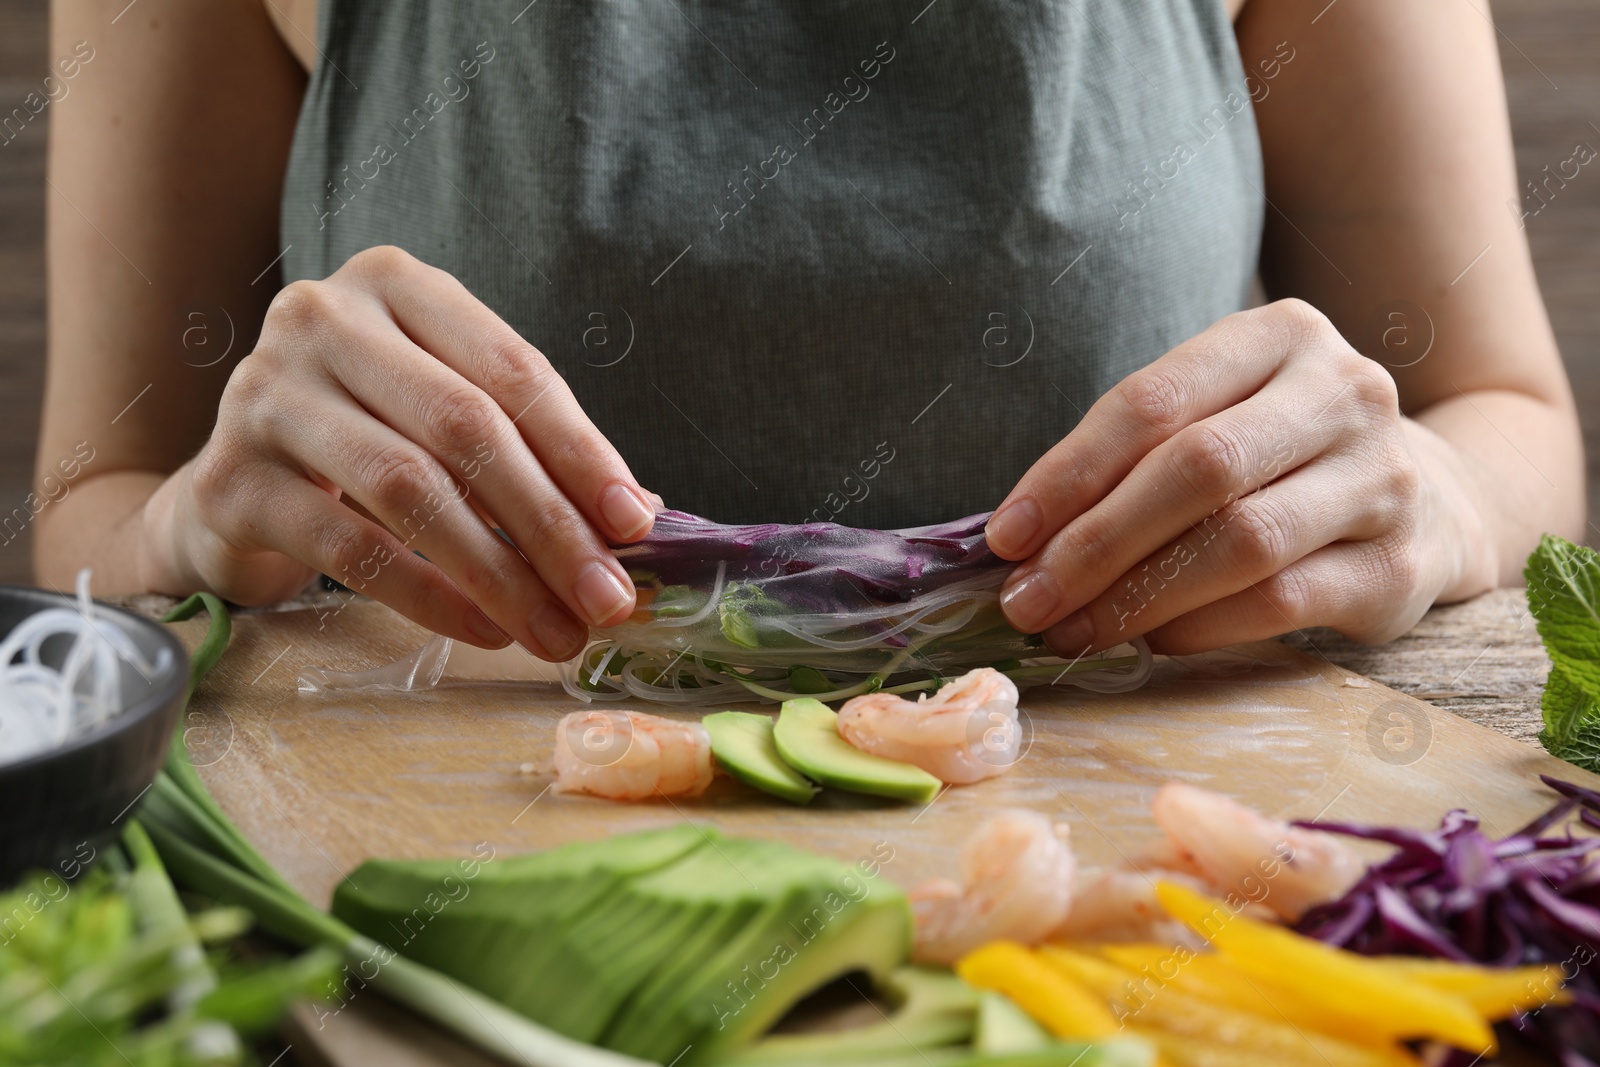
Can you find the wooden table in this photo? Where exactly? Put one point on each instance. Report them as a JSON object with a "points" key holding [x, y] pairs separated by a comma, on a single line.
{"points": [[1481, 660]]}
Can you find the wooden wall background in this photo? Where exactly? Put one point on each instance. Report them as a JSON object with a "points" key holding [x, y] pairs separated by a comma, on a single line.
{"points": [[23, 64], [1548, 49]]}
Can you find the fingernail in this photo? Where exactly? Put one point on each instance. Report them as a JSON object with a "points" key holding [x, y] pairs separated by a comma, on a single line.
{"points": [[558, 632], [1013, 528], [600, 592], [479, 626], [1032, 602], [1072, 636], [624, 511]]}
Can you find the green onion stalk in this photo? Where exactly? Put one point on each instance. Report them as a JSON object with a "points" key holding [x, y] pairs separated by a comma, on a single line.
{"points": [[206, 852]]}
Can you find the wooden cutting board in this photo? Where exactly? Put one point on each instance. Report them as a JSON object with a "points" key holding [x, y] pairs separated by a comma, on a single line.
{"points": [[322, 782]]}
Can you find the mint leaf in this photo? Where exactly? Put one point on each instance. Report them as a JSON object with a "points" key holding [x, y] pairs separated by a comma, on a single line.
{"points": [[1564, 597], [1571, 722]]}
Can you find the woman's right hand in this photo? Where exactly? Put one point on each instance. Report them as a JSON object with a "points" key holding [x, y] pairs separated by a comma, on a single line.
{"points": [[389, 392]]}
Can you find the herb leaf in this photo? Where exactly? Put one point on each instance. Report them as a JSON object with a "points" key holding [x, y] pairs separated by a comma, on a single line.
{"points": [[1571, 721], [1564, 597]]}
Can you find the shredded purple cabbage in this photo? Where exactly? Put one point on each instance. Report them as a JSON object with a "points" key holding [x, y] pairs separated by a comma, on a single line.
{"points": [[773, 611], [830, 581], [1455, 893], [844, 568]]}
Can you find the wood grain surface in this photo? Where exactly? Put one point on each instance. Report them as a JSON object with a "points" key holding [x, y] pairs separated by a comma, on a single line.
{"points": [[1482, 660], [321, 782]]}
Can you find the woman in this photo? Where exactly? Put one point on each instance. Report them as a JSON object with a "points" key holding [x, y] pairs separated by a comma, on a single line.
{"points": [[883, 263]]}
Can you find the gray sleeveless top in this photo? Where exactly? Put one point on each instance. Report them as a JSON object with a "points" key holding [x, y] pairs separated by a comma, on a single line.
{"points": [[859, 260]]}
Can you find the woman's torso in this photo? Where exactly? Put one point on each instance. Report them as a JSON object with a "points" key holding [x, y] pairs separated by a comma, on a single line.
{"points": [[865, 261]]}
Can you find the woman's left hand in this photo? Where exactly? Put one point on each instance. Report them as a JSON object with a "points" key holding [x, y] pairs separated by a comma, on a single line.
{"points": [[1257, 479]]}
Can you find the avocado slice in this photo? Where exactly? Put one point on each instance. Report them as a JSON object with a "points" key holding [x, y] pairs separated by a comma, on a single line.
{"points": [[1004, 1027], [810, 921], [742, 742], [933, 1014], [807, 737], [932, 1024]]}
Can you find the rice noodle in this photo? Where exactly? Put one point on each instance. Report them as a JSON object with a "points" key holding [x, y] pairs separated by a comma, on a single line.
{"points": [[42, 706], [861, 609], [730, 613], [686, 681]]}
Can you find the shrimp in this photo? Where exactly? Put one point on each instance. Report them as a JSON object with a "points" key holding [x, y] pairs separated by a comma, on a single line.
{"points": [[1016, 883], [628, 755], [965, 732], [1121, 905], [1241, 852], [1213, 845]]}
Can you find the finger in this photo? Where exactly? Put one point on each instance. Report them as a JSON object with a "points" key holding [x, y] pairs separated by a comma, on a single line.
{"points": [[1231, 550], [1365, 590], [407, 489], [1208, 373], [427, 402], [310, 525], [443, 317], [1179, 484]]}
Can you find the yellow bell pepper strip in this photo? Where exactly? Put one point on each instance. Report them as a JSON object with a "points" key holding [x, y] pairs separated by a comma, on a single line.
{"points": [[1185, 1051], [1350, 985], [1203, 975], [1210, 977], [1149, 1004], [1494, 992], [1059, 1004], [1132, 954]]}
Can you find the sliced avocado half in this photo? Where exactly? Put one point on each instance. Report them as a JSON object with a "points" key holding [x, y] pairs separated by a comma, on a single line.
{"points": [[807, 737], [742, 743], [672, 943], [521, 921]]}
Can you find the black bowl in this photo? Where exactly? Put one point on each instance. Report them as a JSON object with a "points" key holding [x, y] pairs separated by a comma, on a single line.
{"points": [[58, 809]]}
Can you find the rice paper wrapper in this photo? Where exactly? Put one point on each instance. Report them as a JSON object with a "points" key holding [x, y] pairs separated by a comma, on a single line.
{"points": [[769, 611]]}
